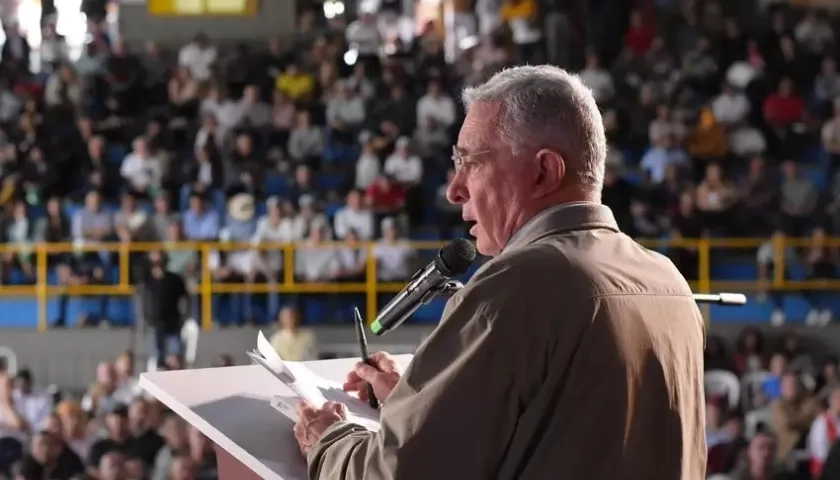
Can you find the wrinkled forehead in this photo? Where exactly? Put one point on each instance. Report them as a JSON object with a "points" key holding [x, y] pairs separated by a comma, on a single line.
{"points": [[479, 130]]}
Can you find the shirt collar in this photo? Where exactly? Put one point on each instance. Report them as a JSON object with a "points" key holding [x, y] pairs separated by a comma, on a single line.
{"points": [[564, 217]]}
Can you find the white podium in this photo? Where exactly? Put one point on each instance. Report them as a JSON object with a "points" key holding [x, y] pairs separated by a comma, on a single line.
{"points": [[232, 407]]}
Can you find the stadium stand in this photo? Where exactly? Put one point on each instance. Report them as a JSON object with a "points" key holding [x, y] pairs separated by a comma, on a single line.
{"points": [[296, 179]]}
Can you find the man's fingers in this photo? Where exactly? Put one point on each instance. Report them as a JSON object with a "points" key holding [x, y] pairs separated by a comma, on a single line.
{"points": [[352, 377], [366, 372], [385, 362], [336, 408], [357, 387], [305, 409]]}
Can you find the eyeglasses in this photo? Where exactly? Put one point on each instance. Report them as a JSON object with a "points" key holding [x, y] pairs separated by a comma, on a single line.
{"points": [[460, 159]]}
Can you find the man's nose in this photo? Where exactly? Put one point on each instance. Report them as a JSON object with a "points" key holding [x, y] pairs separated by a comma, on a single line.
{"points": [[456, 193]]}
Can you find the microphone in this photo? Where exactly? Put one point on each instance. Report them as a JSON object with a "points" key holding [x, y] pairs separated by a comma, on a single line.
{"points": [[452, 260], [728, 299]]}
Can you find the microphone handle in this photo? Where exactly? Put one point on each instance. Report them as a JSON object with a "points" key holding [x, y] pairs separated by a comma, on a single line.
{"points": [[419, 291], [728, 299]]}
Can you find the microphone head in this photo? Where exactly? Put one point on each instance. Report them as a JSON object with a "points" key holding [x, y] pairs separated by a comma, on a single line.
{"points": [[455, 257]]}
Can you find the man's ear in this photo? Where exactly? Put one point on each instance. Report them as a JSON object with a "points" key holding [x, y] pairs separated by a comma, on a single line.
{"points": [[550, 172]]}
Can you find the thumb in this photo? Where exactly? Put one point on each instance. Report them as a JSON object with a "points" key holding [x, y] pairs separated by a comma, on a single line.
{"points": [[366, 372], [338, 409]]}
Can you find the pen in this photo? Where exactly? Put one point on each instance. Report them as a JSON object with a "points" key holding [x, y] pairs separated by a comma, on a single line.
{"points": [[360, 334]]}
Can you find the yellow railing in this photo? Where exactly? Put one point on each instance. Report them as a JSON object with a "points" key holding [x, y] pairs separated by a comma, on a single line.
{"points": [[42, 291]]}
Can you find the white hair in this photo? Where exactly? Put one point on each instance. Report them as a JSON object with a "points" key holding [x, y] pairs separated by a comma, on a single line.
{"points": [[548, 107]]}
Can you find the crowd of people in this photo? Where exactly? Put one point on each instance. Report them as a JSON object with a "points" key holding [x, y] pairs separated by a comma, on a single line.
{"points": [[718, 124]]}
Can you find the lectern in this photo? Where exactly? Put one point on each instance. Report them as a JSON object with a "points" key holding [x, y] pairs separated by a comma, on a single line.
{"points": [[232, 406]]}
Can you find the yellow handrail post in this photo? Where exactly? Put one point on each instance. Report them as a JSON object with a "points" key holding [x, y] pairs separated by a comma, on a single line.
{"points": [[371, 284], [779, 261], [704, 270], [41, 286], [125, 250], [206, 289], [288, 265]]}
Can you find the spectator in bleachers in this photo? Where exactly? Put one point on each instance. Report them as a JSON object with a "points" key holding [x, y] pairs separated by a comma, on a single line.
{"points": [[291, 341], [824, 432], [664, 153], [100, 398], [13, 424], [117, 436], [296, 84], [18, 231], [45, 460], [437, 105], [830, 136], [827, 84], [314, 261], [799, 199], [345, 114], [431, 140], [111, 466], [283, 116], [64, 89], [129, 220], [142, 170], [198, 57], [306, 142], [73, 421], [97, 172], [821, 262], [355, 217], [174, 432], [686, 223], [368, 166], [783, 108], [200, 221], [597, 79], [147, 442], [716, 199], [760, 461], [123, 75], [386, 197], [395, 258], [353, 258], [183, 94], [304, 185], [759, 198], [771, 387], [34, 406], [308, 219], [273, 227], [793, 415]]}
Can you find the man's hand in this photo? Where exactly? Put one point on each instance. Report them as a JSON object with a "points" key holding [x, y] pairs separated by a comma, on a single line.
{"points": [[313, 422], [382, 378]]}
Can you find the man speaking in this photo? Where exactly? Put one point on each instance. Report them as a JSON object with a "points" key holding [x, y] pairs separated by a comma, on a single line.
{"points": [[572, 353]]}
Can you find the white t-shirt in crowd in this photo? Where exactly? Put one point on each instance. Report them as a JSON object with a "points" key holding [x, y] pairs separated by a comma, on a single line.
{"points": [[440, 109], [407, 170], [730, 109], [599, 81], [364, 36], [197, 60], [316, 264], [524, 31], [367, 171], [269, 232], [142, 172], [360, 220], [393, 260]]}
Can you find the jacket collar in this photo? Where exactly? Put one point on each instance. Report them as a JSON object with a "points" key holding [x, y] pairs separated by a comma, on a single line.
{"points": [[563, 218]]}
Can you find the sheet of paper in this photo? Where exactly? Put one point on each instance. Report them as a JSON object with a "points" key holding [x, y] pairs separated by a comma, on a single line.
{"points": [[311, 387]]}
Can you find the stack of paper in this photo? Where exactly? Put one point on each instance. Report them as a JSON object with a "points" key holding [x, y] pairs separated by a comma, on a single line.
{"points": [[310, 387]]}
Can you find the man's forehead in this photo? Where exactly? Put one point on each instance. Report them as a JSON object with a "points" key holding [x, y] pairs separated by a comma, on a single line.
{"points": [[478, 127]]}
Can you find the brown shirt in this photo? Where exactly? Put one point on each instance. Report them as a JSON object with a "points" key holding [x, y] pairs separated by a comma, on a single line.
{"points": [[574, 353]]}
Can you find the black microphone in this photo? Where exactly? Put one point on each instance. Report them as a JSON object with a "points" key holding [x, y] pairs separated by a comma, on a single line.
{"points": [[452, 260]]}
